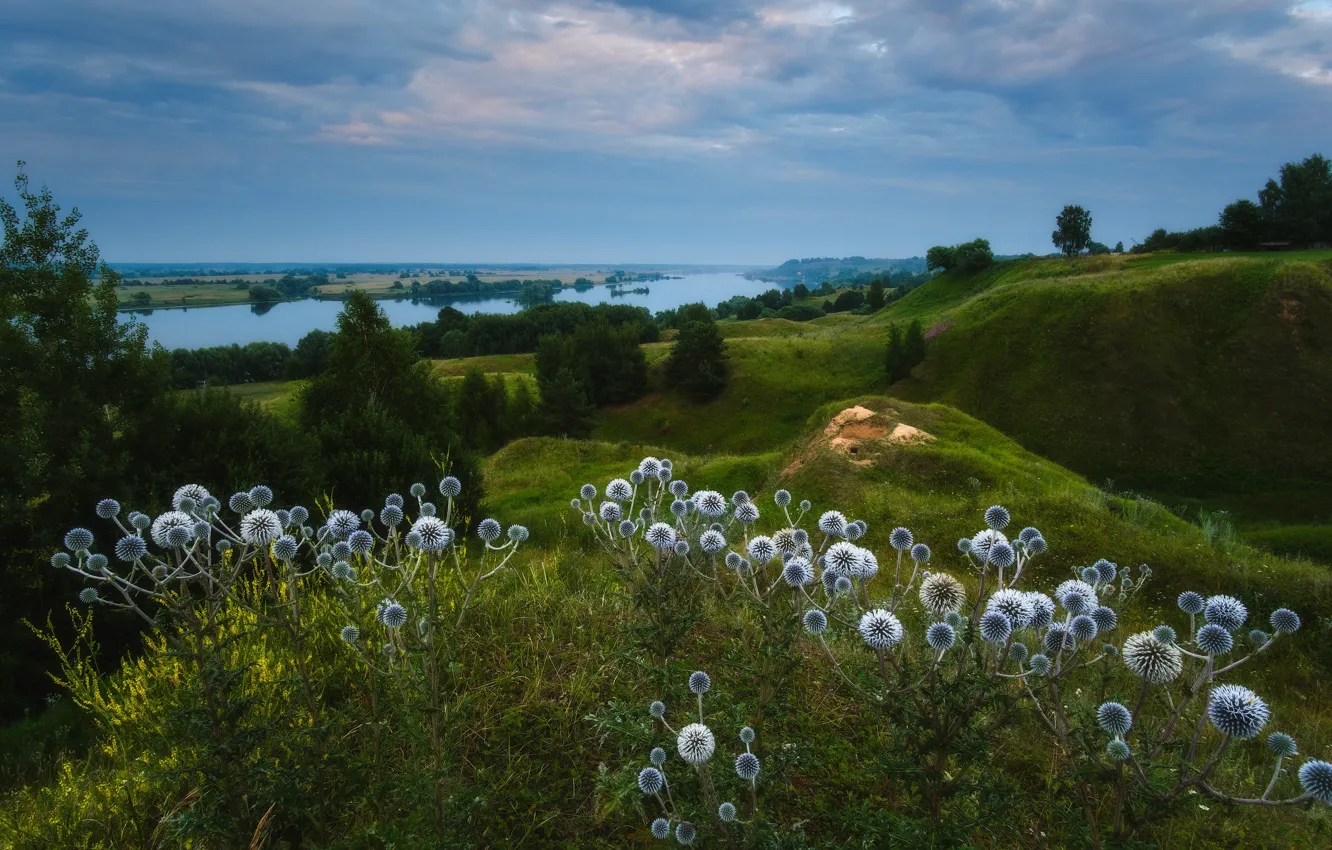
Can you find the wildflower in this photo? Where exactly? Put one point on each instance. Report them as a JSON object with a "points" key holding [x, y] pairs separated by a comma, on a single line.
{"points": [[747, 513], [360, 541], [1316, 779], [940, 636], [1165, 634], [450, 487], [619, 490], [1013, 604], [392, 615], [1118, 750], [1281, 744], [1114, 718], [108, 508], [982, 545], [726, 812], [657, 709], [260, 495], [1042, 609], [685, 833], [89, 595], [747, 735], [1285, 621], [995, 627], [1150, 658], [285, 547], [661, 829], [832, 523], [1105, 618], [650, 780], [699, 682], [431, 533], [712, 541], [1106, 570], [1191, 603], [1225, 611], [661, 535], [1027, 535], [798, 572], [940, 593], [488, 530], [131, 548], [816, 622], [900, 539], [710, 503], [1237, 711], [782, 498], [997, 517], [1214, 640], [259, 527], [391, 516], [920, 553], [1082, 627], [350, 634], [696, 743], [747, 766], [880, 629], [342, 523]]}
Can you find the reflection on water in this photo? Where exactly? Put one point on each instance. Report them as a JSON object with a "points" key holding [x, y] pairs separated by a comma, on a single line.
{"points": [[288, 321]]}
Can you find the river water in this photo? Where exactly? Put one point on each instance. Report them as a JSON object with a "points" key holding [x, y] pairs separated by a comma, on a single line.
{"points": [[201, 327]]}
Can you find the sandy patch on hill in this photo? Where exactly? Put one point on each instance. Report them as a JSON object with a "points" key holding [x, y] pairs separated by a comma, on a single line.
{"points": [[853, 431]]}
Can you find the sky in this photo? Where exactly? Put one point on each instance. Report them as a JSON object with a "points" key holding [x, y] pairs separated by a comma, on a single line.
{"points": [[650, 131]]}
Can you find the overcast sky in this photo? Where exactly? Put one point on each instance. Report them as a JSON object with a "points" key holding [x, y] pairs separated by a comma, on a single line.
{"points": [[707, 131]]}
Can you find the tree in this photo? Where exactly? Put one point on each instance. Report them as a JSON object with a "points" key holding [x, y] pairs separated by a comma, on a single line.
{"points": [[875, 299], [801, 291], [565, 408], [1072, 230], [1094, 247], [697, 362], [1119, 247], [1243, 225], [968, 256], [914, 344], [310, 355], [895, 364], [849, 300], [939, 257]]}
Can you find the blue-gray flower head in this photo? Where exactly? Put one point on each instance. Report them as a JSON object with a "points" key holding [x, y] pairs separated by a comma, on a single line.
{"points": [[1285, 621], [940, 636], [79, 539], [695, 743], [88, 595], [413, 540], [900, 539], [940, 593], [733, 560], [588, 492], [785, 541], [343, 571], [995, 627], [726, 812], [1316, 780], [141, 521], [816, 622], [1191, 603], [418, 490], [880, 629], [223, 545], [842, 557], [1040, 663], [1027, 535], [1114, 718], [645, 514], [297, 515], [260, 496], [1237, 711], [342, 523], [746, 514], [699, 682], [1002, 555], [712, 542], [350, 634], [393, 499], [1017, 651], [324, 560], [188, 497], [650, 780], [611, 512], [360, 541], [747, 766], [1038, 546], [657, 756], [657, 709], [392, 615], [1118, 750], [842, 585], [283, 516], [806, 505], [1150, 658], [1281, 744], [1077, 597], [391, 516], [1106, 570], [635, 478], [761, 549], [867, 567], [982, 545], [285, 547], [1083, 627], [661, 829], [710, 503], [1013, 604], [854, 530], [517, 533], [131, 548], [1258, 637], [832, 523], [747, 734], [450, 487], [1042, 609], [428, 509], [1090, 575], [679, 508], [997, 517], [589, 520], [432, 534], [782, 498], [798, 572], [259, 527], [1165, 634], [1225, 611], [661, 536], [1214, 640], [920, 553], [964, 545], [1057, 638], [685, 833], [829, 579], [201, 529], [97, 563], [240, 502], [488, 530], [1105, 618], [341, 550], [108, 508]]}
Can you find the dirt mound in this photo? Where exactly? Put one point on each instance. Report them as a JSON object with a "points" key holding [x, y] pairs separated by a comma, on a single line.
{"points": [[854, 431]]}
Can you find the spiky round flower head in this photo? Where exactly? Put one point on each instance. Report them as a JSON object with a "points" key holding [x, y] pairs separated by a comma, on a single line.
{"points": [[432, 534], [746, 514], [726, 812], [519, 533], [1017, 651], [587, 491], [1214, 640], [619, 490], [685, 833], [711, 541], [1316, 779], [761, 549], [79, 539], [1042, 609], [806, 506], [699, 682], [88, 595], [392, 615], [324, 560], [1237, 711], [920, 553], [350, 634], [1057, 637], [696, 743], [258, 528], [880, 629], [1002, 555], [842, 585], [240, 502], [488, 530], [1077, 597], [940, 593], [816, 622], [1027, 535], [360, 541], [1285, 621], [901, 539], [1258, 637], [191, 492], [661, 535], [1013, 604], [131, 548], [418, 490], [1090, 575], [342, 571], [222, 546], [747, 766], [733, 560], [1148, 657], [657, 709], [1191, 603], [1114, 718], [97, 563], [1105, 618], [1038, 546], [798, 573], [108, 508], [611, 512], [854, 530], [964, 545], [391, 516], [413, 540], [785, 541], [842, 557], [995, 627], [285, 547], [746, 735], [997, 517], [679, 489], [679, 508], [341, 550], [710, 503], [1118, 750], [636, 478], [1106, 570], [1165, 634], [393, 499], [829, 579], [589, 520], [649, 466], [1226, 611], [867, 567], [428, 509], [1083, 627], [1040, 663], [661, 829], [782, 498], [832, 523], [1281, 744], [984, 542], [657, 756], [940, 636], [450, 487], [650, 780], [141, 521], [342, 523]]}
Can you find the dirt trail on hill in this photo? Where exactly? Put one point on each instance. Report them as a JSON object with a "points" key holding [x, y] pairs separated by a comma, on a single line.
{"points": [[849, 431]]}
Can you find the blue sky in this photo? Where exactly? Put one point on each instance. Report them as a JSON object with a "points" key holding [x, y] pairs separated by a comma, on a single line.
{"points": [[707, 131]]}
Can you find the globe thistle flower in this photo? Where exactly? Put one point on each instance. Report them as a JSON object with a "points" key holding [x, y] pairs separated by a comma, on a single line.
{"points": [[1002, 555], [832, 523], [726, 812], [997, 517], [1114, 718], [940, 593], [283, 516], [842, 585], [710, 503], [1281, 745], [800, 536], [1105, 618], [1042, 609], [341, 550], [785, 541], [746, 735], [413, 540], [761, 549], [1214, 640], [880, 629], [1225, 611], [964, 545], [79, 539], [97, 563], [995, 627], [140, 521], [343, 571], [1165, 634], [685, 833], [260, 496], [679, 508], [342, 523], [940, 636], [131, 548], [1037, 546], [854, 530], [657, 756], [108, 508], [699, 682], [285, 547], [711, 541], [1077, 597], [450, 487], [843, 557], [240, 503], [431, 533], [1082, 627], [782, 498], [1118, 750], [696, 743], [1017, 651], [1106, 570], [192, 492], [920, 553], [798, 573], [350, 634], [1040, 664], [661, 535], [89, 595], [259, 527], [360, 541], [650, 780], [1090, 575], [636, 478], [488, 530], [657, 709], [1057, 638], [394, 499], [1191, 603], [1285, 621], [867, 567], [588, 492], [661, 829], [391, 516], [1258, 637], [829, 579], [1027, 535], [589, 520], [428, 509], [324, 560], [392, 615], [679, 489], [1150, 658], [1237, 711], [222, 546], [816, 622], [900, 539], [1316, 779], [1014, 605], [611, 512], [982, 545], [806, 505], [747, 766], [733, 560], [619, 490], [747, 513]]}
